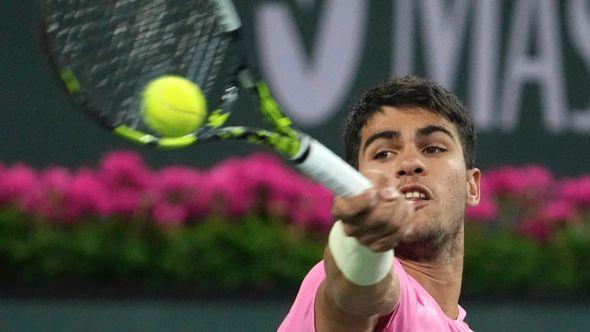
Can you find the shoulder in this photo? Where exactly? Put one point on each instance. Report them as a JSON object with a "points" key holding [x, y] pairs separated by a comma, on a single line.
{"points": [[416, 310]]}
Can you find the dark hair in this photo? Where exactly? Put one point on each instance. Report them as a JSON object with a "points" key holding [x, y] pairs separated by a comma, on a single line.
{"points": [[409, 91]]}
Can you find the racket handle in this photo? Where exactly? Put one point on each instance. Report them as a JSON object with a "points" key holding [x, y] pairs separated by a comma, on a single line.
{"points": [[324, 166]]}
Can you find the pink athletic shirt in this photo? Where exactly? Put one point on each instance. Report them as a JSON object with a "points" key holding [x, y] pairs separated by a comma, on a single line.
{"points": [[416, 311]]}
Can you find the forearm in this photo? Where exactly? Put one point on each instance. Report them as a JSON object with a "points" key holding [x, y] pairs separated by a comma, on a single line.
{"points": [[361, 301], [359, 287]]}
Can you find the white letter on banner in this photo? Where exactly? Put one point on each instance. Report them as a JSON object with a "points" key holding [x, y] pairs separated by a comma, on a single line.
{"points": [[483, 69], [578, 23], [311, 88], [545, 67], [444, 33]]}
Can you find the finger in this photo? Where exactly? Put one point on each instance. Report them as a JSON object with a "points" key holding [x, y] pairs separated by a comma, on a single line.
{"points": [[384, 218], [386, 231], [389, 194], [347, 208], [373, 235], [390, 240], [382, 234], [379, 178], [385, 243], [384, 183]]}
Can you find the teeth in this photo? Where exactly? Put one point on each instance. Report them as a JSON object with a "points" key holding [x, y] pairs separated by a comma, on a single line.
{"points": [[414, 194]]}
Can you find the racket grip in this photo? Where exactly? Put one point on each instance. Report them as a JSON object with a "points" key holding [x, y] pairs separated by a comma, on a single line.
{"points": [[324, 166]]}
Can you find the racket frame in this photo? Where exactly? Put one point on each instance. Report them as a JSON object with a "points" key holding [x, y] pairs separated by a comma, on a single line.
{"points": [[307, 154]]}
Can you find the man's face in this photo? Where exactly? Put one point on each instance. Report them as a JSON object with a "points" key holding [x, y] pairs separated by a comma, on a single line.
{"points": [[423, 154]]}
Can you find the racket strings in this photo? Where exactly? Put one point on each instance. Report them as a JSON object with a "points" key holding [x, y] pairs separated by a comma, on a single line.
{"points": [[115, 47]]}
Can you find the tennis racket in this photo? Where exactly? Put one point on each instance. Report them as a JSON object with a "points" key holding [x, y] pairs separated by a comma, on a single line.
{"points": [[106, 52]]}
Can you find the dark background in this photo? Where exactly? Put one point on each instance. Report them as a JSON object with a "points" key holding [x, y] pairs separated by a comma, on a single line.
{"points": [[39, 127]]}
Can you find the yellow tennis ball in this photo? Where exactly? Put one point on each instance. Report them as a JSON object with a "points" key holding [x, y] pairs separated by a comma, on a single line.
{"points": [[173, 106]]}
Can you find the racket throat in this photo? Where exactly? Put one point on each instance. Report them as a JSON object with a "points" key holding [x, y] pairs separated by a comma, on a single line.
{"points": [[303, 152], [324, 166]]}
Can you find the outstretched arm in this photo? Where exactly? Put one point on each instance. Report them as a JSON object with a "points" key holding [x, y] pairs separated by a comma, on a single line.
{"points": [[360, 286]]}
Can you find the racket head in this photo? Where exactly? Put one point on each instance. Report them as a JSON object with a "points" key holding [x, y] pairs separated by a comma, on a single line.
{"points": [[106, 52]]}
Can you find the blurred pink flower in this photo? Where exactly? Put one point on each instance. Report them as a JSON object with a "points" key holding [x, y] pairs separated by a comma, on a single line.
{"points": [[288, 194], [302, 202], [576, 191], [281, 198], [124, 169], [535, 228], [86, 196], [127, 179], [298, 202], [168, 214], [529, 182], [486, 210], [558, 211], [267, 172], [49, 201], [320, 217], [181, 194], [129, 203], [262, 183], [233, 185], [278, 185], [552, 216], [18, 186]]}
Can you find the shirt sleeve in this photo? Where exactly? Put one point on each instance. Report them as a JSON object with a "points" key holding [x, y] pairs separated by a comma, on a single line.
{"points": [[301, 317]]}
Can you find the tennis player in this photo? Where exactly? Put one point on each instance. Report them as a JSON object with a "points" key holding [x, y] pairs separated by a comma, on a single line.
{"points": [[394, 258]]}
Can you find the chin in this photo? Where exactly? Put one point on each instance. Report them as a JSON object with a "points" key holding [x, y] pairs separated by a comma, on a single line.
{"points": [[428, 239]]}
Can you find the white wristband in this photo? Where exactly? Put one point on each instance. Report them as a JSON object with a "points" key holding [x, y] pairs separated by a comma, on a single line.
{"points": [[358, 263]]}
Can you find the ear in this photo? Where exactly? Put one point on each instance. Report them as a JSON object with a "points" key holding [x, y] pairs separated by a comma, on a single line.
{"points": [[473, 186]]}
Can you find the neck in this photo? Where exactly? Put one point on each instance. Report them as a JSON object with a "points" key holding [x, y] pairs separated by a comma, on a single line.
{"points": [[441, 275]]}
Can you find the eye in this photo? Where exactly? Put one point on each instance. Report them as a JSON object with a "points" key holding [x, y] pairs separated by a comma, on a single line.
{"points": [[434, 150], [383, 155]]}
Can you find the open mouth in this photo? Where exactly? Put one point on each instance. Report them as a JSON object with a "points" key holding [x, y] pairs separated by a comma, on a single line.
{"points": [[415, 193]]}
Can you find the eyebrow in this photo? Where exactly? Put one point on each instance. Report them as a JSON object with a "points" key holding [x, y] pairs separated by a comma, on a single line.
{"points": [[386, 134], [433, 129], [393, 134]]}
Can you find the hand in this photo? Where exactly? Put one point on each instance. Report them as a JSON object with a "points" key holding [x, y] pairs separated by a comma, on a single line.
{"points": [[379, 218]]}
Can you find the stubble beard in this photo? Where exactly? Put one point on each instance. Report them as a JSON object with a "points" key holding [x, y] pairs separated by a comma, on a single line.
{"points": [[434, 242], [437, 239]]}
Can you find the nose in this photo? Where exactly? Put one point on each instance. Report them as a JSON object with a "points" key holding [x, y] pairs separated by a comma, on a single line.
{"points": [[410, 164]]}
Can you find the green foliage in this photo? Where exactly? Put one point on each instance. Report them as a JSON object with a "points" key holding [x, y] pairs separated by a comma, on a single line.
{"points": [[213, 256], [568, 261], [499, 262], [504, 264], [257, 254]]}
